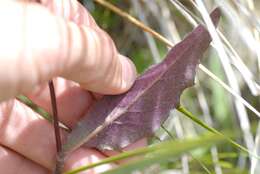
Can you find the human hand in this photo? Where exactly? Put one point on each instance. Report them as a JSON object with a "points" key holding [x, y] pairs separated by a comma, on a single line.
{"points": [[40, 42]]}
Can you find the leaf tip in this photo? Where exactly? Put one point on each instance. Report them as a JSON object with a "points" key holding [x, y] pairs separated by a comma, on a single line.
{"points": [[215, 15]]}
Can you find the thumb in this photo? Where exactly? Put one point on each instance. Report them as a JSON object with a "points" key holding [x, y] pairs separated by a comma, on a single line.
{"points": [[97, 66], [37, 46]]}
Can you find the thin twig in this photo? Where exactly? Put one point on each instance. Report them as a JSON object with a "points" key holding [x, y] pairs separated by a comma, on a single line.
{"points": [[55, 121]]}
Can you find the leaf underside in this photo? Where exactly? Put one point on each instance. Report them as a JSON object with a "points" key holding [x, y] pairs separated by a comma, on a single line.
{"points": [[117, 121]]}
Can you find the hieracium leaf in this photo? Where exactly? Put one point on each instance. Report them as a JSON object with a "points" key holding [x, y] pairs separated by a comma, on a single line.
{"points": [[117, 121]]}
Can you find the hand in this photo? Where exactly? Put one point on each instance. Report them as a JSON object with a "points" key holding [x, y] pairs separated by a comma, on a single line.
{"points": [[40, 41]]}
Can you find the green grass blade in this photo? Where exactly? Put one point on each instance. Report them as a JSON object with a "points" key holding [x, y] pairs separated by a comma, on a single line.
{"points": [[155, 154], [203, 166], [204, 125], [25, 100], [163, 155], [43, 113]]}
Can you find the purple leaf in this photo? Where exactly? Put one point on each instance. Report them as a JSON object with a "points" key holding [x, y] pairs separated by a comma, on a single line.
{"points": [[117, 121]]}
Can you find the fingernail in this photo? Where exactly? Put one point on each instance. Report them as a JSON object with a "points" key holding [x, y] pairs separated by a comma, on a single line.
{"points": [[129, 73]]}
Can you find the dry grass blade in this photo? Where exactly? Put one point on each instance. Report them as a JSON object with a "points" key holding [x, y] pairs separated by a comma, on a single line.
{"points": [[236, 59], [168, 43], [241, 110], [149, 38]]}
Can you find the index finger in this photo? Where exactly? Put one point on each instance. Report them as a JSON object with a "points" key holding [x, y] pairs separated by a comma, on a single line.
{"points": [[70, 10], [47, 46]]}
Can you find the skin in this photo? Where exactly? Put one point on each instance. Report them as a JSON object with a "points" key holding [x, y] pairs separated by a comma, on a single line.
{"points": [[53, 39]]}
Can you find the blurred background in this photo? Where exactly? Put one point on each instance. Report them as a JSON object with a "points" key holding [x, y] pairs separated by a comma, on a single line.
{"points": [[234, 57]]}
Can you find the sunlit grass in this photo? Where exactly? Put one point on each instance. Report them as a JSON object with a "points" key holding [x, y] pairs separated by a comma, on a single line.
{"points": [[237, 45]]}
